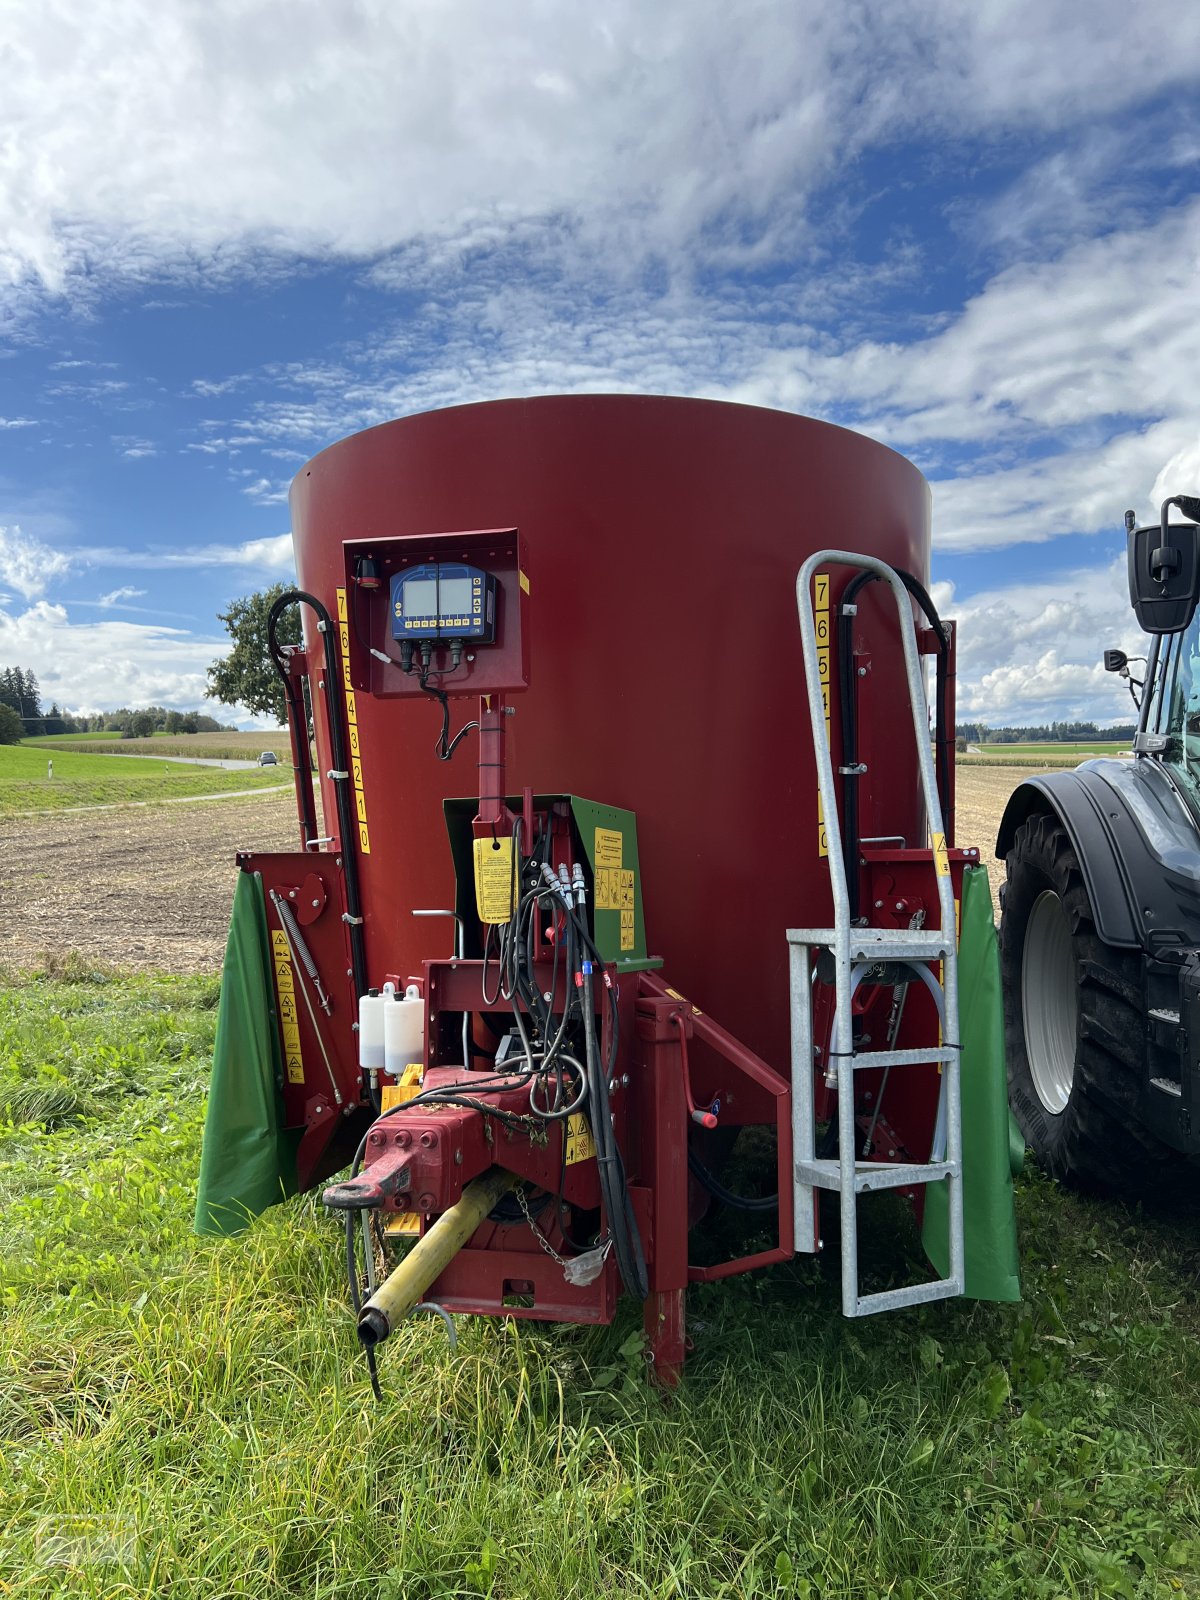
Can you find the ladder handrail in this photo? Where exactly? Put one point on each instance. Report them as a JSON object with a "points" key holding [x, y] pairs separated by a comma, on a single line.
{"points": [[824, 756], [841, 931]]}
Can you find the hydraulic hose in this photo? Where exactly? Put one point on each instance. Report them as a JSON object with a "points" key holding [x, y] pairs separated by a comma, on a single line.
{"points": [[849, 719], [347, 827]]}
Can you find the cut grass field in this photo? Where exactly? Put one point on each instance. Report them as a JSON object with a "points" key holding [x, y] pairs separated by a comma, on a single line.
{"points": [[210, 746], [190, 1416], [84, 779], [1049, 755]]}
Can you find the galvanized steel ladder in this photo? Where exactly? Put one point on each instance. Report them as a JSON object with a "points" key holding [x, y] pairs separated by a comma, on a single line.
{"points": [[860, 947]]}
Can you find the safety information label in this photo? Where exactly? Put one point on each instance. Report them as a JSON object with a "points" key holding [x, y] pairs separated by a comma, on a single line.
{"points": [[494, 879], [941, 859], [614, 889], [580, 1144], [821, 620], [356, 772], [285, 992], [609, 844], [614, 883]]}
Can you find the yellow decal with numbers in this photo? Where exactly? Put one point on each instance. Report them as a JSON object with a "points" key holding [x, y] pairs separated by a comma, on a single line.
{"points": [[356, 771], [821, 621]]}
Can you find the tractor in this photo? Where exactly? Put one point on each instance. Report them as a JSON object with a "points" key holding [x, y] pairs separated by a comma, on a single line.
{"points": [[1100, 924]]}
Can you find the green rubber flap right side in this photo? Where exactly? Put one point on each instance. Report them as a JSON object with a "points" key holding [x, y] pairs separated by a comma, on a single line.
{"points": [[989, 1218]]}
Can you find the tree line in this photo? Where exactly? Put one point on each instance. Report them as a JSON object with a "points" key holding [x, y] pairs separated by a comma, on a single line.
{"points": [[1044, 733], [21, 699]]}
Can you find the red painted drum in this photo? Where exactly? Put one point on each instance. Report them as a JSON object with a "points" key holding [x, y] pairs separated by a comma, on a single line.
{"points": [[661, 540]]}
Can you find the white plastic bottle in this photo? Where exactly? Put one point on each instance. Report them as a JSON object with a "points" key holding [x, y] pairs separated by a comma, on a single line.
{"points": [[403, 1032], [371, 1008]]}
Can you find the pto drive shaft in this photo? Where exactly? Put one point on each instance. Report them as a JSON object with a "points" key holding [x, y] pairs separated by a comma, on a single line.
{"points": [[428, 1259]]}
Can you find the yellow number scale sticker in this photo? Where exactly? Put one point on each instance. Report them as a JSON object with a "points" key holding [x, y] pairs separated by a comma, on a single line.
{"points": [[356, 771], [821, 621], [285, 995]]}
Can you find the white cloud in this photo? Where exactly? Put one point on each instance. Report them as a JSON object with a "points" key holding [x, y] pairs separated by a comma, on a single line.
{"points": [[98, 666], [222, 138], [27, 564], [17, 422], [115, 596], [272, 554], [1030, 652]]}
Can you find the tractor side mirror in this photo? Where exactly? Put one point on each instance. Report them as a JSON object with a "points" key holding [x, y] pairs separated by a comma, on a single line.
{"points": [[1115, 661], [1164, 571]]}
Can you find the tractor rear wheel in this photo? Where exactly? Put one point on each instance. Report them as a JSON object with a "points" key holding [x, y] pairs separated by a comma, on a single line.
{"points": [[1073, 1024]]}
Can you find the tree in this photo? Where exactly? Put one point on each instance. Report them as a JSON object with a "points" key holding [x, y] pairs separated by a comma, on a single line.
{"points": [[247, 675], [11, 727]]}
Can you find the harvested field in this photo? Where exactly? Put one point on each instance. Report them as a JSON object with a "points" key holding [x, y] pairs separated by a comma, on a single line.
{"points": [[149, 887], [146, 887], [980, 797]]}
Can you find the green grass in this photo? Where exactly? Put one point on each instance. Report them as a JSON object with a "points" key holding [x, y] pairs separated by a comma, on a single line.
{"points": [[87, 780], [1055, 755], [190, 1416], [213, 746]]}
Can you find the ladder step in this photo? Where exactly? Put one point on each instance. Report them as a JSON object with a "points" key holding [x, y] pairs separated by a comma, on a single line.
{"points": [[879, 944], [873, 1175], [913, 1294], [898, 1058]]}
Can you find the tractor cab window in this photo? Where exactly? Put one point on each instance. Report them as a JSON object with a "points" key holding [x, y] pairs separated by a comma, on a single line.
{"points": [[1178, 710]]}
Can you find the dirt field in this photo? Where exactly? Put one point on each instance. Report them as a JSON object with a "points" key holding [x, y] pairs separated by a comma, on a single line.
{"points": [[139, 886], [150, 887]]}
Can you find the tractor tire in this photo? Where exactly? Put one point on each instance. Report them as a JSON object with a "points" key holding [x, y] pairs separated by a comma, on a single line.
{"points": [[1074, 1028]]}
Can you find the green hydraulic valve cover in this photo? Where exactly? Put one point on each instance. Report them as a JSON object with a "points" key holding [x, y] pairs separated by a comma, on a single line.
{"points": [[989, 1160], [608, 835], [248, 1160]]}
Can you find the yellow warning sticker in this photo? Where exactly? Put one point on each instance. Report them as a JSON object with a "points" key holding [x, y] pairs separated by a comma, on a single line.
{"points": [[356, 771], [609, 844], [614, 889], [821, 621], [493, 879], [285, 994], [580, 1144], [523, 580], [941, 860], [627, 938]]}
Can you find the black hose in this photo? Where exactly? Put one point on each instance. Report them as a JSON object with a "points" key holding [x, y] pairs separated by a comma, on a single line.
{"points": [[347, 827], [849, 719], [740, 1202], [298, 731]]}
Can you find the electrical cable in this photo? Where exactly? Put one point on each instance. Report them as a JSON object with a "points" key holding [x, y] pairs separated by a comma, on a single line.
{"points": [[444, 747]]}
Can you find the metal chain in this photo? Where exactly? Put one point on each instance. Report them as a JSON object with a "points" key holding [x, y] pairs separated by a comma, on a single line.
{"points": [[541, 1238]]}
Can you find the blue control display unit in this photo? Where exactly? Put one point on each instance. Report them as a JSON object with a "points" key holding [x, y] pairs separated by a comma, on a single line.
{"points": [[444, 600]]}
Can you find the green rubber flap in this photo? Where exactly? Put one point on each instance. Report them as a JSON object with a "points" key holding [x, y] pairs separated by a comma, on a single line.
{"points": [[248, 1161], [989, 1219]]}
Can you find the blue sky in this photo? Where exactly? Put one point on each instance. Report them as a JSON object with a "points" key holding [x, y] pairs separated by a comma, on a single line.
{"points": [[231, 233]]}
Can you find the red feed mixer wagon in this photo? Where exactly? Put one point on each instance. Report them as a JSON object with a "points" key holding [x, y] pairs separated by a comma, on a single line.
{"points": [[635, 835]]}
